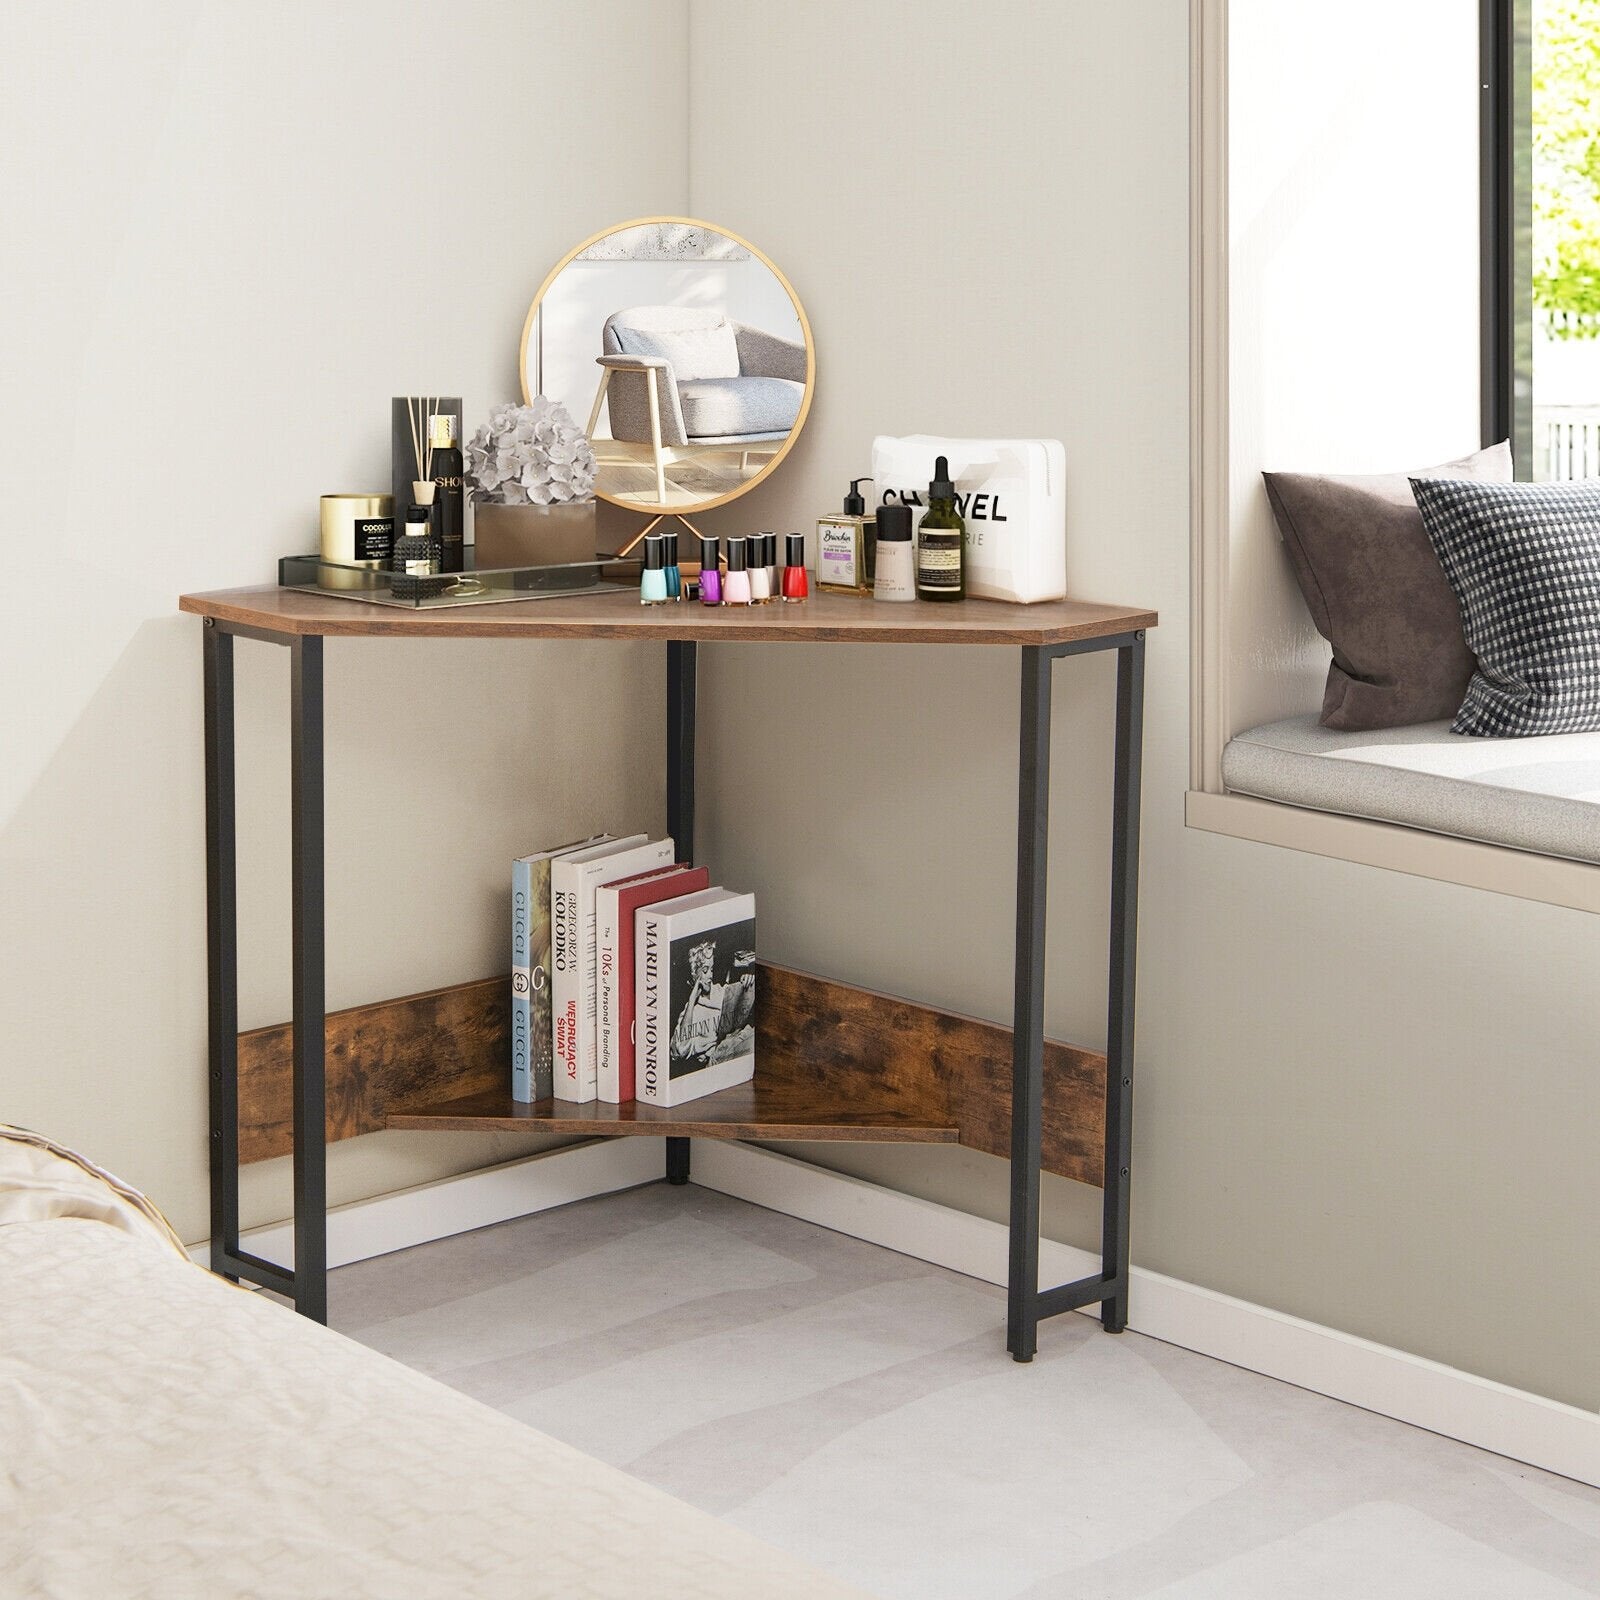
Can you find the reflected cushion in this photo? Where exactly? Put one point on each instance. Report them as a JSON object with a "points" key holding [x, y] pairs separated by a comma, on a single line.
{"points": [[1524, 561], [706, 352], [721, 408], [1377, 593]]}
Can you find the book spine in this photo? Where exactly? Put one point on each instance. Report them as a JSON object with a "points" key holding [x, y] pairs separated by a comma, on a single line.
{"points": [[652, 1080], [566, 991], [587, 1053], [521, 983], [606, 1043], [541, 1047]]}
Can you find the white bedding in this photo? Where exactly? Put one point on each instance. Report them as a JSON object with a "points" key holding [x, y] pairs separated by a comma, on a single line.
{"points": [[164, 1434]]}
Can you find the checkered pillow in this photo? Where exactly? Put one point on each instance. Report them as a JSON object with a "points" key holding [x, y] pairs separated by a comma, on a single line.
{"points": [[1524, 562]]}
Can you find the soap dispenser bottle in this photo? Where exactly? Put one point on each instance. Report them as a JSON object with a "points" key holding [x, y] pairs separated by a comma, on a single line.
{"points": [[845, 560]]}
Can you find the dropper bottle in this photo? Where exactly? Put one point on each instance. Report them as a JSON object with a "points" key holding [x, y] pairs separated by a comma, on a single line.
{"points": [[941, 541]]}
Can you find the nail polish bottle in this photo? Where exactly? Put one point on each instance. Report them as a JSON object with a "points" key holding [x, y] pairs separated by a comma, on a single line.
{"points": [[897, 565], [794, 567], [760, 583], [769, 557], [736, 582], [710, 574], [653, 580], [669, 546]]}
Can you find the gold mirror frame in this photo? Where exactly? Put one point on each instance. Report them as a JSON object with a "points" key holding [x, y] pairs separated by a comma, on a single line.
{"points": [[799, 310]]}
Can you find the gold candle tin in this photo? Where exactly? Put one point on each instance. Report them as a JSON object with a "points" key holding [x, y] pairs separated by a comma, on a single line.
{"points": [[357, 530]]}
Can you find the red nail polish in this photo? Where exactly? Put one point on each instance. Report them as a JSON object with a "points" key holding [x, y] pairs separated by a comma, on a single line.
{"points": [[794, 567]]}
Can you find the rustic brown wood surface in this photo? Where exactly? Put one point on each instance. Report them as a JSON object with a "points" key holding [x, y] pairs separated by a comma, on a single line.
{"points": [[447, 1041], [931, 1063], [824, 617], [769, 1108], [835, 1062]]}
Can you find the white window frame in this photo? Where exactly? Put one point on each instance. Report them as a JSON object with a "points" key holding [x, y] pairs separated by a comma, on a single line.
{"points": [[1208, 806]]}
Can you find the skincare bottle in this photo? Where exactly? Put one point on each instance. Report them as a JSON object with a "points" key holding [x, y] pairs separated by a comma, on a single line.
{"points": [[844, 553], [736, 581], [710, 575], [653, 580], [941, 541], [897, 567], [415, 556], [794, 566], [449, 496], [760, 583], [669, 545]]}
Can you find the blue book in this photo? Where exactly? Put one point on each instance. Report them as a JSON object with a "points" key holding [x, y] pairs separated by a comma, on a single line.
{"points": [[532, 1054]]}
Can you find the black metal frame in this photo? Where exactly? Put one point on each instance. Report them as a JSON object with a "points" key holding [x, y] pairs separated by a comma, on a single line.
{"points": [[1027, 1305], [1505, 296], [306, 1283]]}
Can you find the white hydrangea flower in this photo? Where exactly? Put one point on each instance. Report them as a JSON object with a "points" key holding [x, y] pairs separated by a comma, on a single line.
{"points": [[530, 455]]}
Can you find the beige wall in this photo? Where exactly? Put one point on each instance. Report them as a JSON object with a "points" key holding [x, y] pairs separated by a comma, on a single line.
{"points": [[231, 234], [1364, 1098]]}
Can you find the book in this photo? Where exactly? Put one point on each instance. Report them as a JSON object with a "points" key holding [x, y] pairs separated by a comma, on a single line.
{"points": [[573, 880], [532, 1056], [695, 999], [614, 908]]}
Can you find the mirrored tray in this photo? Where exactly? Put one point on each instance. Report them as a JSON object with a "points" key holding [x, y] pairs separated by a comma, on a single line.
{"points": [[495, 586]]}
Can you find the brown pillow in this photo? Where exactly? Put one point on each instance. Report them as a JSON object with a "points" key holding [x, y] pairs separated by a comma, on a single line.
{"points": [[1377, 592]]}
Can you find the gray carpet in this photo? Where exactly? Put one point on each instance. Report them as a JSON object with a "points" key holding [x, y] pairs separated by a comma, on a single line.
{"points": [[856, 1407]]}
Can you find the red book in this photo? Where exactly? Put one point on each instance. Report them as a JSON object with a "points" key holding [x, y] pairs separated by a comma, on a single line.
{"points": [[615, 905]]}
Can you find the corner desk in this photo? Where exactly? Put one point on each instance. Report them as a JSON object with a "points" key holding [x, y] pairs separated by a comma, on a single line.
{"points": [[833, 1062]]}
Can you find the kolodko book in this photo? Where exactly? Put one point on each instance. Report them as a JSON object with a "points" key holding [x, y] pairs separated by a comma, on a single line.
{"points": [[573, 881], [614, 908], [695, 1001], [532, 1054]]}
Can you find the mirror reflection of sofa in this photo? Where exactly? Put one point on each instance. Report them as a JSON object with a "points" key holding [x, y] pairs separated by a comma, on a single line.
{"points": [[683, 383]]}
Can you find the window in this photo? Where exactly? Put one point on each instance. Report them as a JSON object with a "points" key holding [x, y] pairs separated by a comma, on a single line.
{"points": [[1542, 245]]}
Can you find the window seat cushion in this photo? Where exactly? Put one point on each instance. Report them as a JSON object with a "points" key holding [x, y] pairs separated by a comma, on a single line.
{"points": [[1540, 793]]}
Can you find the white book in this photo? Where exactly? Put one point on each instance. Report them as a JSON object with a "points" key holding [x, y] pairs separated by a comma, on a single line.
{"points": [[696, 992], [573, 880], [532, 1055]]}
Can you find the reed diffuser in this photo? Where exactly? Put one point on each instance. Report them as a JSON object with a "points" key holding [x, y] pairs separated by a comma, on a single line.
{"points": [[418, 553], [419, 412]]}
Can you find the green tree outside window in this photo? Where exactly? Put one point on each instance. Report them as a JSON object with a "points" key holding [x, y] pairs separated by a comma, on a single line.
{"points": [[1566, 166]]}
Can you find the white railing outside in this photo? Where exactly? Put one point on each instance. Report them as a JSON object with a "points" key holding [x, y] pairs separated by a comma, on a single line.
{"points": [[1566, 443]]}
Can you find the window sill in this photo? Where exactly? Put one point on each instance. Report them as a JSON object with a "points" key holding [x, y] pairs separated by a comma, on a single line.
{"points": [[1497, 868]]}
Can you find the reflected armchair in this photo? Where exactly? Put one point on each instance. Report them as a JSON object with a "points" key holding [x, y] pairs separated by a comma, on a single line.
{"points": [[684, 382]]}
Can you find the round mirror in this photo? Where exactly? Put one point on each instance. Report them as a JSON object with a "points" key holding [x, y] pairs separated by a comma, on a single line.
{"points": [[684, 353]]}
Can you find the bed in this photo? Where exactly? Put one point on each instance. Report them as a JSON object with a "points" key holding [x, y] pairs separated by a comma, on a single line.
{"points": [[166, 1434]]}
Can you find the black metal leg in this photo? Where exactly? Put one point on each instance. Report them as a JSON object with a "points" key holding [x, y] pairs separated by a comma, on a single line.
{"points": [[310, 1005], [222, 946], [680, 745], [1027, 1043], [1120, 1003], [681, 663]]}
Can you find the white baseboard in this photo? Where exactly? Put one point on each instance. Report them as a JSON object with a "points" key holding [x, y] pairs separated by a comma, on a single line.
{"points": [[1511, 1422], [408, 1217], [1492, 1416]]}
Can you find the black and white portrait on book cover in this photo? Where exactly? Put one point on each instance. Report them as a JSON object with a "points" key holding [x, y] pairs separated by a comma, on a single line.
{"points": [[713, 996]]}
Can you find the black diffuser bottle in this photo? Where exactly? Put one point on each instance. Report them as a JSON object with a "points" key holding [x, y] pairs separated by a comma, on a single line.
{"points": [[416, 558], [449, 499]]}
